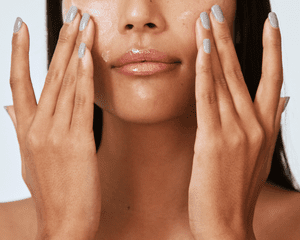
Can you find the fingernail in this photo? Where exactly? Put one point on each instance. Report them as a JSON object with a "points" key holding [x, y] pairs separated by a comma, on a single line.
{"points": [[18, 24], [206, 45], [71, 14], [81, 50], [273, 19], [287, 99], [84, 21], [205, 20], [217, 12], [5, 107]]}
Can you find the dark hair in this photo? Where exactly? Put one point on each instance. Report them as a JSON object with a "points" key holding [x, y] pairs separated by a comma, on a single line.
{"points": [[249, 22]]}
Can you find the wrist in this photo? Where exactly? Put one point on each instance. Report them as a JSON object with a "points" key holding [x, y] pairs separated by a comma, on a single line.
{"points": [[67, 235], [67, 231], [226, 234]]}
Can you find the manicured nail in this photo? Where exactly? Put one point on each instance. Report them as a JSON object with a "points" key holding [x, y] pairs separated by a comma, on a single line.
{"points": [[217, 12], [84, 21], [71, 14], [5, 107], [206, 45], [81, 50], [273, 19], [205, 20], [287, 99], [18, 24]]}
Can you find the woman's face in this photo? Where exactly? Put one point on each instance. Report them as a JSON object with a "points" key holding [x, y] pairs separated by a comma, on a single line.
{"points": [[165, 25]]}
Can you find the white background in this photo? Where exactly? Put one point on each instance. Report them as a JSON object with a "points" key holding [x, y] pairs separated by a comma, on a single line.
{"points": [[33, 13]]}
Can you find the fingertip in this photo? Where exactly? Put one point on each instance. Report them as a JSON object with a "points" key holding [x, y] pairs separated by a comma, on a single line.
{"points": [[273, 20], [18, 24], [20, 34], [85, 58]]}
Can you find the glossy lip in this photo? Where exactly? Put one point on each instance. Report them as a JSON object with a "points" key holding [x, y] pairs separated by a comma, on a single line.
{"points": [[146, 68], [144, 55]]}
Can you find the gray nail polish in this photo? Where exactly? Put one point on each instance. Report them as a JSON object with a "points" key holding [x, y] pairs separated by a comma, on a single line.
{"points": [[217, 12], [71, 14], [205, 20], [84, 21], [206, 45], [18, 24], [273, 19], [5, 107], [81, 50], [287, 99]]}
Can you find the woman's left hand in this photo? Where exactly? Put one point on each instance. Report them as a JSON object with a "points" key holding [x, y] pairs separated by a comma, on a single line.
{"points": [[235, 137]]}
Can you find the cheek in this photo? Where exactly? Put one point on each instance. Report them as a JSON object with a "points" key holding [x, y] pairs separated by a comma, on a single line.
{"points": [[184, 36]]}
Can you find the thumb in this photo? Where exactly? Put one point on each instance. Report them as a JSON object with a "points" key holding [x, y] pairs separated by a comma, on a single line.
{"points": [[11, 112], [281, 108]]}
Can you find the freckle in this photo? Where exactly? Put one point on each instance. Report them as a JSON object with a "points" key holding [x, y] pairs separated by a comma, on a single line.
{"points": [[128, 207]]}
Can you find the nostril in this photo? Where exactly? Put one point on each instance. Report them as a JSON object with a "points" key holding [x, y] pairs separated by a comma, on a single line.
{"points": [[129, 26], [151, 25]]}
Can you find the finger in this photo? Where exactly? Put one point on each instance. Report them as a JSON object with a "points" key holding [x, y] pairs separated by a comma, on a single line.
{"points": [[268, 162], [227, 110], [231, 67], [65, 103], [278, 117], [208, 117], [83, 113], [268, 92], [57, 69], [24, 100], [12, 114]]}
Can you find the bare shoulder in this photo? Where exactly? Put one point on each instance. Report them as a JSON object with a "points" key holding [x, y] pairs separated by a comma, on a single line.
{"points": [[18, 220], [277, 214]]}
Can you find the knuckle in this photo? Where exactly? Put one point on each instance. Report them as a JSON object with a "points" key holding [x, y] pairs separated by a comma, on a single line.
{"points": [[54, 140], [204, 69], [208, 98], [69, 79], [80, 100], [13, 81], [238, 139], [235, 73], [32, 140], [53, 76], [83, 75], [258, 136], [225, 38], [64, 36], [221, 81]]}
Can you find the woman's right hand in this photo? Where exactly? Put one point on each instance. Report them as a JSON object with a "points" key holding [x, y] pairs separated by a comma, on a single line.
{"points": [[56, 138]]}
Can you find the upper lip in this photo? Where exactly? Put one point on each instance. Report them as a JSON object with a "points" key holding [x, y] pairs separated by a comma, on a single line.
{"points": [[135, 55]]}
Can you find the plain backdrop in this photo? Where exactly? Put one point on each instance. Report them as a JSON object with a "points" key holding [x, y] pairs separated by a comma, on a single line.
{"points": [[33, 13]]}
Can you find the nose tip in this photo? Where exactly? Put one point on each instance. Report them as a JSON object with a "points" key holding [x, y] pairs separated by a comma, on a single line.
{"points": [[141, 16]]}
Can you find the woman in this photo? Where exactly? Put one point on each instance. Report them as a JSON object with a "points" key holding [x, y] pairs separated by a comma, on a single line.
{"points": [[143, 182]]}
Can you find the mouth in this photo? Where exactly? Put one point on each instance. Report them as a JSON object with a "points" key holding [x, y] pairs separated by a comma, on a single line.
{"points": [[139, 56], [145, 68]]}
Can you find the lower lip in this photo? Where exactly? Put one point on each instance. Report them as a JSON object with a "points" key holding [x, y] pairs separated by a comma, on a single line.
{"points": [[146, 68]]}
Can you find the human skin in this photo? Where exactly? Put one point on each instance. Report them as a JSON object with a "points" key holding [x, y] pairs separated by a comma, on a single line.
{"points": [[146, 154]]}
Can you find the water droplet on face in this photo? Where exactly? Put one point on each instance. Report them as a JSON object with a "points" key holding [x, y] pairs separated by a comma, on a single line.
{"points": [[105, 55]]}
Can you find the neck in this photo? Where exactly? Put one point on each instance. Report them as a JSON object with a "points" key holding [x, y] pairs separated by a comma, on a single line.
{"points": [[145, 170]]}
